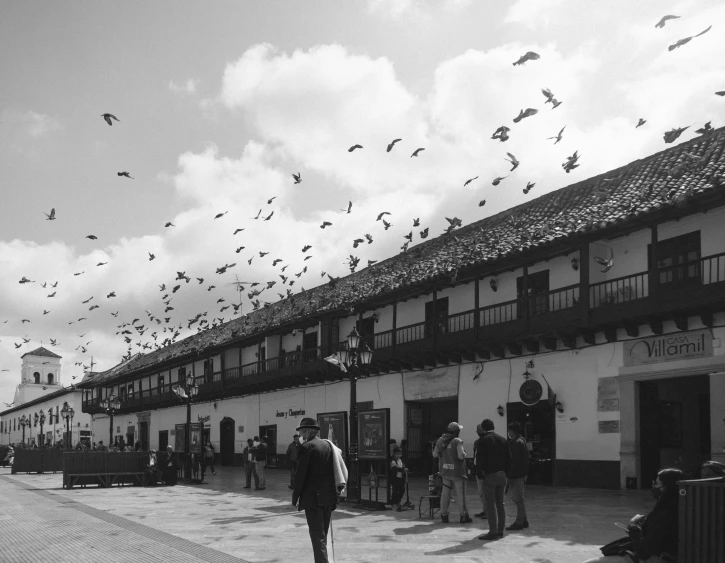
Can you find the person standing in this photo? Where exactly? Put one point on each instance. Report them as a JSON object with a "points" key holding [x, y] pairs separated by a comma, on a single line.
{"points": [[249, 465], [449, 450], [168, 466], [260, 461], [479, 480], [209, 457], [517, 474], [493, 462], [293, 457], [314, 489], [397, 476]]}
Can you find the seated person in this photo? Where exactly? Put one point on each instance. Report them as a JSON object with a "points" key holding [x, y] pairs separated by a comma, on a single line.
{"points": [[168, 466], [654, 536], [154, 475], [712, 469]]}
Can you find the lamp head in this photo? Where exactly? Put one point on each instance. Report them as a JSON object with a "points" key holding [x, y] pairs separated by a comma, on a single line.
{"points": [[500, 410], [365, 355], [494, 284], [189, 380], [559, 407], [344, 355], [575, 263], [353, 339]]}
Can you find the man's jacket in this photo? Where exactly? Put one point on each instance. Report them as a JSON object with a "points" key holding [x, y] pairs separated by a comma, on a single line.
{"points": [[315, 478], [492, 455], [519, 458]]}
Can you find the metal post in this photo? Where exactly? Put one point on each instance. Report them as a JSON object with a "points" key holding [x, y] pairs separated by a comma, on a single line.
{"points": [[353, 491], [110, 428], [187, 440]]}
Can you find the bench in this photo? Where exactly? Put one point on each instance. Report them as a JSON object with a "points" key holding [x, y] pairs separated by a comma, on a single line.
{"points": [[105, 480]]}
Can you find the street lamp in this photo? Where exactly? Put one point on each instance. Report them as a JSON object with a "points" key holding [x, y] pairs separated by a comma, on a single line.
{"points": [[67, 413], [40, 418], [51, 421], [354, 355], [24, 421], [188, 392], [110, 405]]}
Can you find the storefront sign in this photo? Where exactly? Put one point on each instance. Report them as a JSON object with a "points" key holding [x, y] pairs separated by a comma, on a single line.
{"points": [[697, 344], [333, 427], [607, 395], [609, 427], [202, 419], [290, 413], [373, 429]]}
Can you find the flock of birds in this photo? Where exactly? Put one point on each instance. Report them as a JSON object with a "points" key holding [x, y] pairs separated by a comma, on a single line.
{"points": [[163, 329]]}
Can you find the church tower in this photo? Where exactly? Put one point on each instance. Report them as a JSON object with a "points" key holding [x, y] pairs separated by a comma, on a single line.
{"points": [[39, 375]]}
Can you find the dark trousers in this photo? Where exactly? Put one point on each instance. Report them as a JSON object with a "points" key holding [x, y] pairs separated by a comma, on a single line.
{"points": [[318, 523], [397, 490], [493, 489], [209, 462], [292, 472], [250, 469]]}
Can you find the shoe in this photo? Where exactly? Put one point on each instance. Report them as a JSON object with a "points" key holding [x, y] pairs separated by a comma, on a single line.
{"points": [[466, 519], [398, 508], [444, 518], [490, 537], [247, 487], [526, 523], [515, 526], [261, 488], [481, 515]]}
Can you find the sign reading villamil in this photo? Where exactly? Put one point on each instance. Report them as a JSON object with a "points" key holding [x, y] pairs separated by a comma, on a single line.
{"points": [[697, 344]]}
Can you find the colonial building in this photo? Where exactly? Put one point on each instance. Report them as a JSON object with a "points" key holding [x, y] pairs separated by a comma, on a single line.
{"points": [[39, 399], [594, 315]]}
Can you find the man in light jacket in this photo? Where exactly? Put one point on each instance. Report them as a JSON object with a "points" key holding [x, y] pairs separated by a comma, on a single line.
{"points": [[452, 463], [517, 474]]}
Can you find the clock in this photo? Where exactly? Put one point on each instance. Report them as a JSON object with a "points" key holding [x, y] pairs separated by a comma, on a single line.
{"points": [[530, 392]]}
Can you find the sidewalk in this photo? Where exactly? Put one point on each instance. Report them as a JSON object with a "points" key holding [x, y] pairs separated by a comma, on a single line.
{"points": [[221, 522]]}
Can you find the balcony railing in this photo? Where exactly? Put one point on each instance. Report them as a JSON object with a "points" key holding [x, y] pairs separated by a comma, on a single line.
{"points": [[410, 333], [499, 313], [554, 300], [461, 321], [619, 290]]}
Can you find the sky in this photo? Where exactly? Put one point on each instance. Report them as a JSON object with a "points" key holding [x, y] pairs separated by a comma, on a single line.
{"points": [[219, 103]]}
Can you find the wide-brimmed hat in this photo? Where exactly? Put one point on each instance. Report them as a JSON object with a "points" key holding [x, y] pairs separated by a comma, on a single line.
{"points": [[454, 427], [308, 423]]}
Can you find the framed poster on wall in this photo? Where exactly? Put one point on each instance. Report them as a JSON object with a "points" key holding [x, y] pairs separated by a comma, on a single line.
{"points": [[179, 437], [373, 429], [195, 444], [333, 427]]}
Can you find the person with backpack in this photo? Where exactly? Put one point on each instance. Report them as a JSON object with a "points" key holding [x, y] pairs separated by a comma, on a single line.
{"points": [[452, 463], [209, 457]]}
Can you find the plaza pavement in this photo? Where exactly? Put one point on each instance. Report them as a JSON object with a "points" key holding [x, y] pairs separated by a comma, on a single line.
{"points": [[222, 523]]}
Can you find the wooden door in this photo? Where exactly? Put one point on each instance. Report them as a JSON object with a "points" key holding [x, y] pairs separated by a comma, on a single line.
{"points": [[649, 432], [163, 440], [270, 433], [226, 441]]}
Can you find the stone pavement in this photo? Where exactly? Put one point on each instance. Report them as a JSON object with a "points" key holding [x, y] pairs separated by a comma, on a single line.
{"points": [[222, 523]]}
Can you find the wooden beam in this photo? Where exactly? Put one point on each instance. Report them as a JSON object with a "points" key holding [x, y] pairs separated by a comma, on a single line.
{"points": [[707, 318], [584, 283], [515, 348], [588, 336], [681, 321], [549, 342], [610, 333], [476, 307], [496, 350], [656, 325], [653, 274], [532, 345], [569, 340], [632, 329]]}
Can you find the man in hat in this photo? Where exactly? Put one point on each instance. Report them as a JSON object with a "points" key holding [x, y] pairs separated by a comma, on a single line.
{"points": [[479, 480], [293, 457], [493, 463], [168, 466], [314, 489], [449, 450]]}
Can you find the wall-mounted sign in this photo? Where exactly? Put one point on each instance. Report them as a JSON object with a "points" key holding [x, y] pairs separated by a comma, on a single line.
{"points": [[607, 394], [333, 427], [609, 427], [373, 428], [290, 413], [696, 344], [530, 392], [202, 419]]}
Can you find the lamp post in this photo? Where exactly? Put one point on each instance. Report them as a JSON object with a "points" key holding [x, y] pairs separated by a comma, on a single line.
{"points": [[188, 392], [51, 421], [24, 421], [110, 404], [40, 418], [67, 413], [354, 356]]}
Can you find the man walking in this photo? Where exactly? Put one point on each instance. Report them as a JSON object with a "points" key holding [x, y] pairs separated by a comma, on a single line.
{"points": [[449, 450], [249, 465], [493, 461], [517, 474], [292, 457], [260, 461], [479, 480], [314, 489]]}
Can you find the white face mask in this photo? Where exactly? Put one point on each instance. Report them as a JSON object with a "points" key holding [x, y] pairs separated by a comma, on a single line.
{"points": [[256, 443]]}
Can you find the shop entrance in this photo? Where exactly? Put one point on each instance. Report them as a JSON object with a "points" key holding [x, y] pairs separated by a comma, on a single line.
{"points": [[674, 425], [226, 441], [538, 428], [270, 433], [425, 421]]}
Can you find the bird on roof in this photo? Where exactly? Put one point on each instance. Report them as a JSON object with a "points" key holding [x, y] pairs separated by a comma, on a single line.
{"points": [[325, 224], [681, 42], [126, 174], [352, 148], [469, 181], [297, 177], [571, 162], [640, 123], [498, 180], [705, 129], [169, 224], [268, 217], [50, 216], [108, 117], [524, 113], [416, 152], [664, 19], [671, 135], [501, 134], [513, 160], [392, 144], [608, 263]]}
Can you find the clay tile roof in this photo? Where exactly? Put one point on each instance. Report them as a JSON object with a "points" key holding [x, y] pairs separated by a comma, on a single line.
{"points": [[640, 188], [41, 352]]}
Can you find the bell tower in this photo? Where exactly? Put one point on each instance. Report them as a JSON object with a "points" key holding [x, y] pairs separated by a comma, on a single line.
{"points": [[39, 375]]}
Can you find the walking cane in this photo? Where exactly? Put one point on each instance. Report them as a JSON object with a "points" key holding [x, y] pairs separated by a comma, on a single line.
{"points": [[407, 504], [332, 541]]}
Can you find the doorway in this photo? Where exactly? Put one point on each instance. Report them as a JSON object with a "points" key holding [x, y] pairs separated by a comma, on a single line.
{"points": [[674, 425], [163, 440], [425, 421], [270, 433], [226, 441], [143, 435], [538, 428]]}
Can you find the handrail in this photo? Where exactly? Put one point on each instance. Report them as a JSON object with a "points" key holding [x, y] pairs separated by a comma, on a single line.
{"points": [[461, 321], [499, 313], [705, 270], [383, 339], [619, 290], [410, 333], [554, 300]]}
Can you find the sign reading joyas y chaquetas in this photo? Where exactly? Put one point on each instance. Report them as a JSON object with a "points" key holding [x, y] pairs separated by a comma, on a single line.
{"points": [[697, 344]]}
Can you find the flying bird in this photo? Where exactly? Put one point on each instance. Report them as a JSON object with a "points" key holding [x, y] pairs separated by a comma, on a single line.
{"points": [[640, 123], [50, 216], [720, 93], [469, 181], [513, 160], [380, 215], [220, 215], [673, 134], [297, 177], [528, 56], [357, 242], [101, 263], [416, 152], [424, 233], [108, 117], [237, 231], [548, 94], [664, 19], [529, 187], [686, 40], [169, 224], [558, 135], [79, 273], [556, 103], [268, 217], [52, 294], [349, 207], [571, 162], [92, 237], [126, 174], [386, 224], [238, 250], [352, 148], [501, 134], [705, 129], [607, 263], [497, 181], [392, 144], [369, 238], [306, 248], [112, 294], [151, 257], [325, 224], [528, 112], [45, 312], [25, 280], [482, 203]]}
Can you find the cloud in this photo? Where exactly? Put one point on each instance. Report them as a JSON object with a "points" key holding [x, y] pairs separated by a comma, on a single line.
{"points": [[188, 87], [31, 122], [533, 13], [394, 9]]}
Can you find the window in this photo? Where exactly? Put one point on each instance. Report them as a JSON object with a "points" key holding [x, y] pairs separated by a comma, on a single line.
{"points": [[366, 329], [309, 340], [209, 369], [36, 377], [538, 292], [441, 317], [161, 381], [182, 376], [50, 379], [678, 259], [130, 390]]}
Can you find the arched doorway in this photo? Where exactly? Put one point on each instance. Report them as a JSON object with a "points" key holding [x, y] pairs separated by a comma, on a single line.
{"points": [[226, 441]]}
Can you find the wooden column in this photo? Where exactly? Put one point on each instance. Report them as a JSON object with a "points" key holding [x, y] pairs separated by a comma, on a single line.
{"points": [[476, 306], [584, 284], [394, 336], [222, 367], [525, 298], [654, 280], [240, 360], [434, 320]]}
